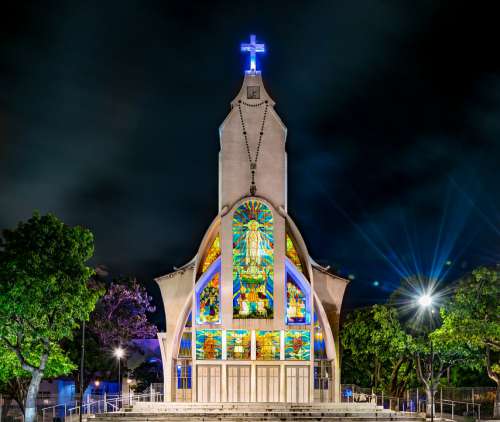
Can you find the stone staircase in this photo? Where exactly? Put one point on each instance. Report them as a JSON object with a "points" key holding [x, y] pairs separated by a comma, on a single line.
{"points": [[240, 412]]}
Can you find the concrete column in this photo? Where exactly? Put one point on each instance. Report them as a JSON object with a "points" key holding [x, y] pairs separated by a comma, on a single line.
{"points": [[223, 388], [253, 382], [282, 382]]}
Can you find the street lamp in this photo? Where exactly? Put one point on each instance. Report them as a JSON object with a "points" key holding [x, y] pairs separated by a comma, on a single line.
{"points": [[425, 301], [119, 353]]}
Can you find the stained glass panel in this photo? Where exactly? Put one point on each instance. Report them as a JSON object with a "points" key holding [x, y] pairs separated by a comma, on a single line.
{"points": [[213, 253], [189, 321], [297, 345], [267, 345], [291, 253], [209, 301], [208, 344], [185, 345], [238, 344], [296, 303], [319, 340], [253, 261]]}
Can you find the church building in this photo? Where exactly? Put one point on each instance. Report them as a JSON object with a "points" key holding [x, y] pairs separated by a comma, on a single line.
{"points": [[252, 317]]}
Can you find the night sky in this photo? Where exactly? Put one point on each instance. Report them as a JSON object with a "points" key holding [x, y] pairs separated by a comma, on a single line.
{"points": [[109, 116]]}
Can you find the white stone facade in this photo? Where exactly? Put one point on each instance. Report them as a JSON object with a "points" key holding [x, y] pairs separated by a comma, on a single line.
{"points": [[223, 379]]}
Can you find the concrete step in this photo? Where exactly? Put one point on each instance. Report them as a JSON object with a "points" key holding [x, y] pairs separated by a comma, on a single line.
{"points": [[228, 418], [257, 416]]}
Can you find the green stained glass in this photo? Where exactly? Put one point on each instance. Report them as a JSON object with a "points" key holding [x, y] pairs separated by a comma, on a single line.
{"points": [[296, 306], [238, 344], [208, 344], [291, 253], [209, 301], [267, 345], [253, 261], [297, 345]]}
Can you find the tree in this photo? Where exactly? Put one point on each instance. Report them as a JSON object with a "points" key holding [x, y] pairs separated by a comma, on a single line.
{"points": [[432, 360], [373, 339], [120, 317], [473, 318], [121, 314], [147, 373], [43, 292], [14, 380]]}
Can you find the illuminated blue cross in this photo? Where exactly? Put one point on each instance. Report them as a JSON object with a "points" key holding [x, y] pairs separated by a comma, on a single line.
{"points": [[253, 48]]}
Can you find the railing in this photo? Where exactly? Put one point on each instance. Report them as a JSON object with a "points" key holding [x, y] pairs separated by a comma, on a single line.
{"points": [[411, 402], [106, 404]]}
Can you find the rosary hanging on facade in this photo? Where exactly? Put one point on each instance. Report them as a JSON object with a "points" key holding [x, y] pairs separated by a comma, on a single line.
{"points": [[252, 162]]}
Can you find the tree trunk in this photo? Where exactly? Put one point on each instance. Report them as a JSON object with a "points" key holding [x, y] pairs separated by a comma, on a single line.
{"points": [[429, 403], [30, 407], [496, 406], [494, 376]]}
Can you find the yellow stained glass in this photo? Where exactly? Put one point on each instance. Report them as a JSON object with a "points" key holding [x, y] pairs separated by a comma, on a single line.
{"points": [[291, 253], [267, 345], [212, 254]]}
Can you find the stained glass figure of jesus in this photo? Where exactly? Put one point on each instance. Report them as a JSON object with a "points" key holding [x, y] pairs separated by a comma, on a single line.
{"points": [[253, 261]]}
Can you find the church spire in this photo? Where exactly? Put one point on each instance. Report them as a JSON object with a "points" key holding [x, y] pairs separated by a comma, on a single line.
{"points": [[253, 48]]}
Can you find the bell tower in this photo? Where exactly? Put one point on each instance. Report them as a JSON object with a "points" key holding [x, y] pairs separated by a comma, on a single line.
{"points": [[252, 159]]}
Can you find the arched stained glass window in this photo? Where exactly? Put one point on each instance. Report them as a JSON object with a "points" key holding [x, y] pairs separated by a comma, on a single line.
{"points": [[296, 303], [209, 301], [297, 300], [213, 253], [253, 261], [291, 253]]}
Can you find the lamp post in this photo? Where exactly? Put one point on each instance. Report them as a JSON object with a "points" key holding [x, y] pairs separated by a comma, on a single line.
{"points": [[425, 301], [82, 370], [119, 353]]}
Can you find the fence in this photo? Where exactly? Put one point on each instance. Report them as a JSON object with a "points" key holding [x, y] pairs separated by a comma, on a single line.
{"points": [[415, 401], [96, 405]]}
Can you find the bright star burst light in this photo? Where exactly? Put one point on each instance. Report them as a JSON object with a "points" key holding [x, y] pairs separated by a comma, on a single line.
{"points": [[425, 300], [119, 352]]}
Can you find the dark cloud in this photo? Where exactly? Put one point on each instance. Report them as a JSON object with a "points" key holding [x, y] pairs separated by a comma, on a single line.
{"points": [[109, 114]]}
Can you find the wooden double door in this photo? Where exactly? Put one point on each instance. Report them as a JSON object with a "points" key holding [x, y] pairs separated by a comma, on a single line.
{"points": [[297, 384], [208, 383], [238, 383]]}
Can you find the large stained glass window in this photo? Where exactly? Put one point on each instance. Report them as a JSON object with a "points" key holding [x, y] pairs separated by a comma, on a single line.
{"points": [[209, 301], [297, 345], [208, 344], [291, 253], [267, 345], [238, 344], [213, 253], [296, 303], [253, 261]]}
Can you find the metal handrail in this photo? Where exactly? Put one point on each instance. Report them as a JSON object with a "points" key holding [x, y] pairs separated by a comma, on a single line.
{"points": [[104, 405], [406, 405]]}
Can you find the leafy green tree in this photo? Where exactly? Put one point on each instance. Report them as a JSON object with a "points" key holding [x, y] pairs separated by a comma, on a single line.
{"points": [[43, 292], [14, 380], [472, 318], [433, 360], [374, 342]]}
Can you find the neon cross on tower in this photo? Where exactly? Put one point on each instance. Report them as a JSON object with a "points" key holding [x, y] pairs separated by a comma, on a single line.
{"points": [[253, 48]]}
